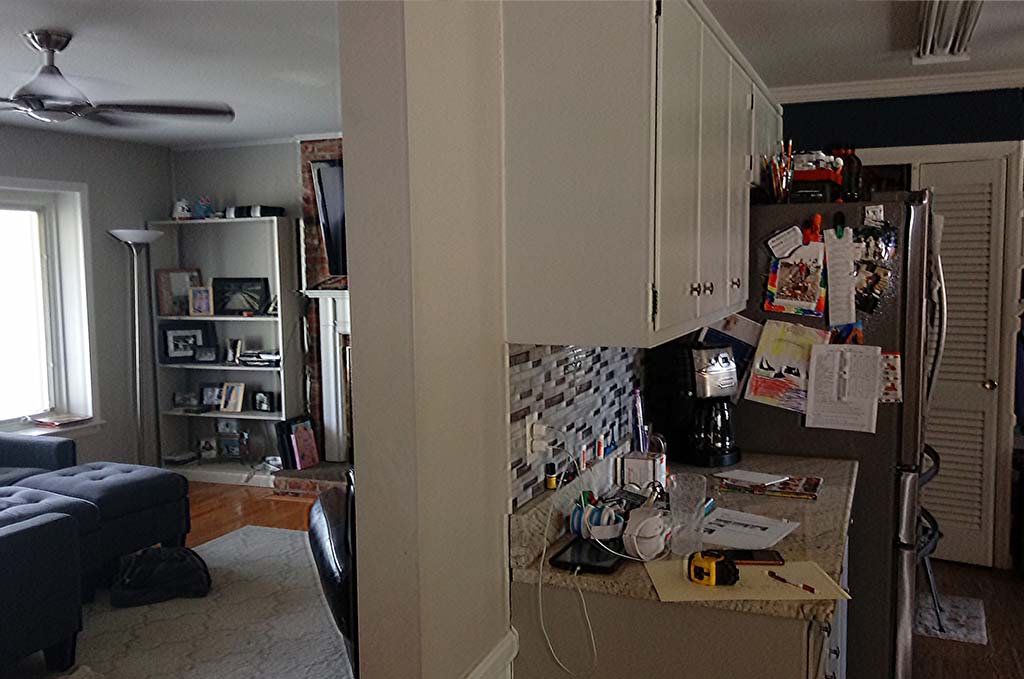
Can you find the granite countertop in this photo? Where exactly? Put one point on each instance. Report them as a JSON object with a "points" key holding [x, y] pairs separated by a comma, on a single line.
{"points": [[821, 536]]}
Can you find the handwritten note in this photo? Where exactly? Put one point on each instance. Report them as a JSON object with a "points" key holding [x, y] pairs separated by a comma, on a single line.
{"points": [[785, 242], [842, 280]]}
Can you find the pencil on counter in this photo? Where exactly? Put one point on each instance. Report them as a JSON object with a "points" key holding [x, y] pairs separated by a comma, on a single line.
{"points": [[804, 586]]}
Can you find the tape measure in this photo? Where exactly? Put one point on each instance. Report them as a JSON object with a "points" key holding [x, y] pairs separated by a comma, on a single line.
{"points": [[712, 568]]}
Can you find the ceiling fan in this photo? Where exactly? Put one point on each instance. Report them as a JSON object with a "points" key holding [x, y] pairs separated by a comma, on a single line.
{"points": [[49, 97]]}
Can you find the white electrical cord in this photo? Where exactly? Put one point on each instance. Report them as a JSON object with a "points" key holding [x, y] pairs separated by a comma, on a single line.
{"points": [[583, 602]]}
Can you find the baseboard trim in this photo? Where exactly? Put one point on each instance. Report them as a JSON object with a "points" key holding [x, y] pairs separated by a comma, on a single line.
{"points": [[495, 664]]}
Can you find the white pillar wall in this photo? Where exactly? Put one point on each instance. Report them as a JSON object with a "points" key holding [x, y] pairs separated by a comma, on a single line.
{"points": [[421, 104]]}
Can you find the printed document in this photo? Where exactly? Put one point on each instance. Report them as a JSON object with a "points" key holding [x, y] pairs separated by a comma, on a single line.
{"points": [[842, 390]]}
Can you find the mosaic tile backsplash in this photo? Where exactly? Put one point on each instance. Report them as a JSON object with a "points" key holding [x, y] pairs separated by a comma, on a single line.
{"points": [[583, 390]]}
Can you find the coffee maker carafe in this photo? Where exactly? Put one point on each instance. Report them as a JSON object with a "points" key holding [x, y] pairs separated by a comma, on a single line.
{"points": [[715, 381]]}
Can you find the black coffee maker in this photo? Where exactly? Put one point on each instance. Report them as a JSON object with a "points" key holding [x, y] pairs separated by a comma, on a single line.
{"points": [[690, 387]]}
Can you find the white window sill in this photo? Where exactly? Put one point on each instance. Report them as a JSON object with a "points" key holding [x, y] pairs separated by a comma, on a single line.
{"points": [[74, 431]]}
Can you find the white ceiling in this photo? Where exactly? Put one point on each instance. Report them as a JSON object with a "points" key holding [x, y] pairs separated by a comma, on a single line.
{"points": [[809, 42], [274, 62]]}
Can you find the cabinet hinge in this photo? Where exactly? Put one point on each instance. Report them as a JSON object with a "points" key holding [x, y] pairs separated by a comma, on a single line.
{"points": [[657, 9], [654, 302], [750, 100]]}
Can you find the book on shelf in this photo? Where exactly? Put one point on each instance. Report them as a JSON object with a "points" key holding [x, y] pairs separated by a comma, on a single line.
{"points": [[801, 487], [58, 420]]}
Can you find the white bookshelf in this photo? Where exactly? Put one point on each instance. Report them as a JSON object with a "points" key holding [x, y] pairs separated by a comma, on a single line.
{"points": [[262, 247]]}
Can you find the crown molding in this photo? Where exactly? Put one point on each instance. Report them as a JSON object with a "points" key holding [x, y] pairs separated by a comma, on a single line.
{"points": [[900, 87]]}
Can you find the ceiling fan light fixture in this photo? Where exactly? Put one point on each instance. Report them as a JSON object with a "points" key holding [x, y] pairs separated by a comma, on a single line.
{"points": [[945, 29]]}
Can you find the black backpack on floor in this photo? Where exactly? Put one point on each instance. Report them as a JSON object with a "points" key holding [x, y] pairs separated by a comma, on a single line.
{"points": [[157, 574]]}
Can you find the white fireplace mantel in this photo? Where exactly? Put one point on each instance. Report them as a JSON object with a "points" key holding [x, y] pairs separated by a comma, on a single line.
{"points": [[335, 322]]}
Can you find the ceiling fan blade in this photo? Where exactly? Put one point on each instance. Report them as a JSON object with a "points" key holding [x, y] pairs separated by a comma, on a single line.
{"points": [[50, 86], [203, 109], [112, 120]]}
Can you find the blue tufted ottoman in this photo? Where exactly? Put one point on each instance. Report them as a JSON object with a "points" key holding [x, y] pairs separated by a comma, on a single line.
{"points": [[138, 506], [20, 504]]}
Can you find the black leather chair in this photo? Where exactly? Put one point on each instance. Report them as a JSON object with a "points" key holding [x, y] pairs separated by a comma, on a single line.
{"points": [[332, 536]]}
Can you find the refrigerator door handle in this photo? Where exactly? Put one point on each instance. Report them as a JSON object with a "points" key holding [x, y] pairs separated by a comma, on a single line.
{"points": [[939, 294], [907, 518], [906, 570]]}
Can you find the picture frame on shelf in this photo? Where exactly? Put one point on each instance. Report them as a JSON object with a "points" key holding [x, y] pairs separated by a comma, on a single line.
{"points": [[230, 449], [208, 448], [172, 290], [227, 426], [296, 441], [233, 350], [264, 401], [232, 397], [211, 395], [179, 341], [200, 301], [185, 399], [240, 296], [206, 354]]}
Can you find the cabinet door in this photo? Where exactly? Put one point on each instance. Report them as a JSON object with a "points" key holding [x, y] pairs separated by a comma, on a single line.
{"points": [[740, 153], [678, 143], [767, 132], [714, 174]]}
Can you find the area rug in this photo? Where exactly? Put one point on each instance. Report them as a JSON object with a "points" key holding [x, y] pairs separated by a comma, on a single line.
{"points": [[963, 618], [265, 618]]}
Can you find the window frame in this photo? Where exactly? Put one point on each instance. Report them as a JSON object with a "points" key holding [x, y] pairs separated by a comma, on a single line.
{"points": [[65, 246], [44, 206]]}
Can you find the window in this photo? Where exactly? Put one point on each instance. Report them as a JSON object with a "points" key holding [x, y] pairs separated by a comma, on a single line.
{"points": [[28, 378], [46, 362]]}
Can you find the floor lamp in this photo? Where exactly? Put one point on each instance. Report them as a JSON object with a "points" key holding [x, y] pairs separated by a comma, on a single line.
{"points": [[136, 240]]}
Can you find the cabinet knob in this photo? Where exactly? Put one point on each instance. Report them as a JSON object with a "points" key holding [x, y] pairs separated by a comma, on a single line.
{"points": [[695, 289], [709, 288], [834, 652], [991, 385], [736, 282]]}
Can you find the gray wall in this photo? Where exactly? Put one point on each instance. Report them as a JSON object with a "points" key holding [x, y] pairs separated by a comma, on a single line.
{"points": [[128, 185], [266, 174]]}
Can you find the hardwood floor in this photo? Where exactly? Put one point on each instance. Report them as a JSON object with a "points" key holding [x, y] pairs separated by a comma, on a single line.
{"points": [[1003, 657], [218, 509]]}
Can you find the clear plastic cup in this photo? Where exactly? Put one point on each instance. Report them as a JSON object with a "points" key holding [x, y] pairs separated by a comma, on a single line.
{"points": [[687, 493]]}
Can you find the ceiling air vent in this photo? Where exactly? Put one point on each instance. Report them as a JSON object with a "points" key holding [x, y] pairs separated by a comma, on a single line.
{"points": [[946, 28]]}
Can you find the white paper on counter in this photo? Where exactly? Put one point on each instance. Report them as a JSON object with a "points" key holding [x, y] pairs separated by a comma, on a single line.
{"points": [[740, 530], [785, 242], [842, 279], [842, 392], [751, 478]]}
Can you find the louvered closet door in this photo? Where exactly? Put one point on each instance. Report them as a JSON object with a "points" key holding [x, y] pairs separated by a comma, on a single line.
{"points": [[963, 417]]}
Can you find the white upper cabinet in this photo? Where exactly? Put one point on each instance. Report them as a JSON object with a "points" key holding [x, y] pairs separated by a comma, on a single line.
{"points": [[628, 142], [767, 131]]}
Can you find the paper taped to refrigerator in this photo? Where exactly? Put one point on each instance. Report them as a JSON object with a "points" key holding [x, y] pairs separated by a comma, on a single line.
{"points": [[779, 374], [843, 388]]}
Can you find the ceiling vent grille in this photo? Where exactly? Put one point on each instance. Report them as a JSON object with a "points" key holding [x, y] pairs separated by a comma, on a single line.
{"points": [[946, 28]]}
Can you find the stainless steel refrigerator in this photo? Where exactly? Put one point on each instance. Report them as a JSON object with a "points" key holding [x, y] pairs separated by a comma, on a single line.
{"points": [[883, 534]]}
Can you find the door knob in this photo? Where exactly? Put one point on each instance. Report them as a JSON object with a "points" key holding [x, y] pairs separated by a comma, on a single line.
{"points": [[991, 385], [695, 289], [709, 288], [736, 282]]}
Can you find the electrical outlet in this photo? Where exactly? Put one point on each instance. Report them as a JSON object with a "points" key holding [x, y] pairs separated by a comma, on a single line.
{"points": [[529, 421]]}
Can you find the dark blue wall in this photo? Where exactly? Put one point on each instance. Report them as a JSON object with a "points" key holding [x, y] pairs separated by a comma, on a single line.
{"points": [[959, 118]]}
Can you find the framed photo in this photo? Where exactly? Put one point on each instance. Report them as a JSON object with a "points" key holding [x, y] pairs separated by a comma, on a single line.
{"points": [[297, 442], [208, 448], [263, 401], [234, 350], [187, 399], [225, 426], [200, 301], [229, 448], [231, 397], [211, 395], [179, 341], [206, 354], [172, 287], [240, 296]]}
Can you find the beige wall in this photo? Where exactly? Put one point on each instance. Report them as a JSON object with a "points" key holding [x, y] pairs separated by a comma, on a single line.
{"points": [[128, 185], [423, 174], [260, 174]]}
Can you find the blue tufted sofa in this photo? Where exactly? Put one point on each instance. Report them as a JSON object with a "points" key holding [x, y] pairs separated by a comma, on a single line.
{"points": [[59, 520]]}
